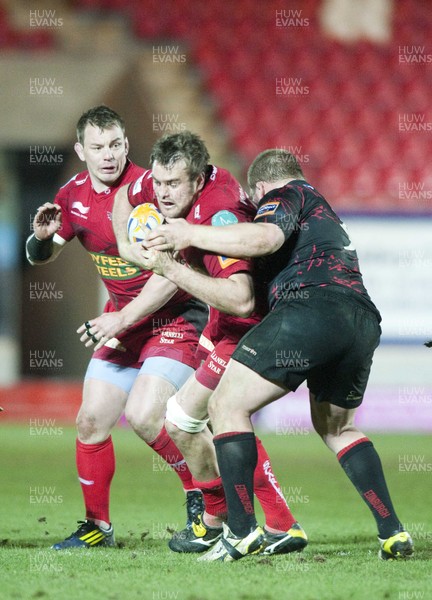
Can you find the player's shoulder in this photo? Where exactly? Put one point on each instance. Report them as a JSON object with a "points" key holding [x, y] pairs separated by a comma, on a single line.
{"points": [[222, 199], [78, 180], [296, 190], [142, 182], [219, 178], [298, 187], [131, 173]]}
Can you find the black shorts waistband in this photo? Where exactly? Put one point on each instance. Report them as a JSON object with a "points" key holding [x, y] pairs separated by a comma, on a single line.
{"points": [[344, 294]]}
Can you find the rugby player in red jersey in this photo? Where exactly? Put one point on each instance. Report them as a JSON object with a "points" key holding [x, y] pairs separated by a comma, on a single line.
{"points": [[137, 371], [330, 323], [182, 183]]}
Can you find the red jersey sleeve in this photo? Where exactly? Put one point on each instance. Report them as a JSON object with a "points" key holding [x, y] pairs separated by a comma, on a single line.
{"points": [[141, 190], [63, 199], [225, 266]]}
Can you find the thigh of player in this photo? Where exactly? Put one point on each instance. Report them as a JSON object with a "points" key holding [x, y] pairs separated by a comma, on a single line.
{"points": [[193, 397], [159, 378], [342, 381], [106, 388], [167, 355], [240, 393]]}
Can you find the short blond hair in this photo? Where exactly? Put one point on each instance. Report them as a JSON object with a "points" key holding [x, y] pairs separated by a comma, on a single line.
{"points": [[274, 165]]}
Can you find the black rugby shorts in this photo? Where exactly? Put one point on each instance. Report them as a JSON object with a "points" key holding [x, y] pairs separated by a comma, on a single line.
{"points": [[326, 337]]}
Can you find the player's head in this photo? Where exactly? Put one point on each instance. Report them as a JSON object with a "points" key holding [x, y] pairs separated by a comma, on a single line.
{"points": [[272, 169], [179, 163], [102, 145]]}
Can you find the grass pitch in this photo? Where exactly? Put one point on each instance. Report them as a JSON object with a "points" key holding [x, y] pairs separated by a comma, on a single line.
{"points": [[41, 502]]}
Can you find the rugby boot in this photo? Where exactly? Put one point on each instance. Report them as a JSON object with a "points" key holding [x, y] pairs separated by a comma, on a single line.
{"points": [[294, 540], [230, 547], [396, 547], [197, 538], [88, 535]]}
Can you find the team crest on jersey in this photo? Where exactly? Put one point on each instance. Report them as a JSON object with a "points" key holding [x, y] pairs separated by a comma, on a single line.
{"points": [[269, 208]]}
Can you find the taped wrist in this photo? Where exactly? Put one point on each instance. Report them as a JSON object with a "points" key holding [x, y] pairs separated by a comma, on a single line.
{"points": [[39, 249]]}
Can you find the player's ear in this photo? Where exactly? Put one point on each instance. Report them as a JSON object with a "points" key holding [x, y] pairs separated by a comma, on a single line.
{"points": [[200, 182], [260, 188], [79, 150], [126, 146]]}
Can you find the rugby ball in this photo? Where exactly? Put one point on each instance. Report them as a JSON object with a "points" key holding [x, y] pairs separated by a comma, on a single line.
{"points": [[143, 218]]}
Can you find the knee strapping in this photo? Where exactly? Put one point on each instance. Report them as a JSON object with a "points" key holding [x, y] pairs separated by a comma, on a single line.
{"points": [[176, 415]]}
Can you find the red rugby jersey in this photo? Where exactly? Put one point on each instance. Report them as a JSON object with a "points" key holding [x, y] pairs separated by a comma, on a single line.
{"points": [[87, 215], [222, 201]]}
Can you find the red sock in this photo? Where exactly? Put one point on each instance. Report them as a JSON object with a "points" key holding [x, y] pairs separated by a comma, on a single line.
{"points": [[214, 497], [96, 466], [267, 490], [165, 447]]}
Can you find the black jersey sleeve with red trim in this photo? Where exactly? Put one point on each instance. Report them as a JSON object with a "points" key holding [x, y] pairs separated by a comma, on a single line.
{"points": [[282, 207]]}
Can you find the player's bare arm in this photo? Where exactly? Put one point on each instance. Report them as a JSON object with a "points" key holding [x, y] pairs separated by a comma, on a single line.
{"points": [[233, 295], [174, 236], [120, 216], [153, 296], [41, 247], [243, 240]]}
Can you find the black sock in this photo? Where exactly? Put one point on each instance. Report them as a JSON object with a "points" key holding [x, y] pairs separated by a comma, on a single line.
{"points": [[361, 463], [237, 458]]}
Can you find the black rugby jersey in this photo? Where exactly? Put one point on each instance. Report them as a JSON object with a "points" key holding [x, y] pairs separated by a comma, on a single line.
{"points": [[317, 250]]}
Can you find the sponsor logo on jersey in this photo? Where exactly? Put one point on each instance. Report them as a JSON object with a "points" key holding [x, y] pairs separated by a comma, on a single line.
{"points": [[224, 217], [225, 261], [220, 219], [197, 214], [269, 208], [114, 267], [79, 209], [214, 173]]}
